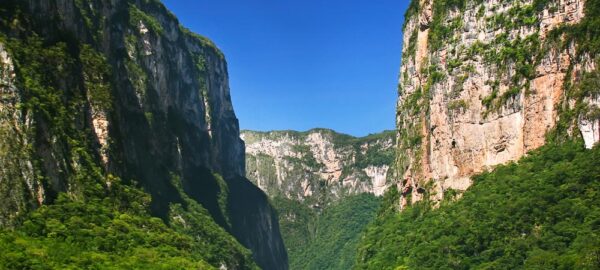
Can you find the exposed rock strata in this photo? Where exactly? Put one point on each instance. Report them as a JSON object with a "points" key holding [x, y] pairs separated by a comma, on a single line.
{"points": [[481, 85], [318, 166]]}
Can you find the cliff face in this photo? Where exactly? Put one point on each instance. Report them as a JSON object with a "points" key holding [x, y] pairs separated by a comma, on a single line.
{"points": [[318, 166], [484, 82], [120, 89], [324, 186]]}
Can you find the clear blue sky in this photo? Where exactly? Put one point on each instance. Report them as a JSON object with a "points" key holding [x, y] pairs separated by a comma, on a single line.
{"points": [[306, 63]]}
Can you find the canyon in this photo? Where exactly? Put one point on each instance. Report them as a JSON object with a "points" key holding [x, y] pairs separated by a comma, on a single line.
{"points": [[326, 187], [121, 148]]}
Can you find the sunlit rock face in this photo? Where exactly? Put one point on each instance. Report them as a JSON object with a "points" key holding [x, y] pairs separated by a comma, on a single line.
{"points": [[481, 84], [318, 166]]}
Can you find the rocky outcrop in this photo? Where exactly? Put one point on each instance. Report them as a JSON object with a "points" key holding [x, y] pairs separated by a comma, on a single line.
{"points": [[484, 82], [16, 172], [103, 89], [318, 166]]}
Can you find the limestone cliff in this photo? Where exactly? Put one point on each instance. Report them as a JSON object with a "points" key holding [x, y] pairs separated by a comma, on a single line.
{"points": [[484, 82], [318, 166], [103, 89], [325, 187]]}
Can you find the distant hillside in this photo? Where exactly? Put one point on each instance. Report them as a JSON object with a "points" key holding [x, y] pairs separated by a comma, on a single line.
{"points": [[324, 186], [320, 165]]}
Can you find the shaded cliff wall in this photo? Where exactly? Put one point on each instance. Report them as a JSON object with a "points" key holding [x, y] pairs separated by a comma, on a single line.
{"points": [[484, 82], [121, 85]]}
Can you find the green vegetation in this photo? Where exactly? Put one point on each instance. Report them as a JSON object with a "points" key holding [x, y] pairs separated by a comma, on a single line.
{"points": [[136, 16], [100, 223], [441, 31], [411, 50], [413, 9], [55, 90], [93, 19], [149, 118], [540, 213], [297, 223], [114, 230], [523, 53], [488, 100], [517, 16], [409, 127], [325, 239], [207, 43], [96, 74], [579, 92], [321, 230], [458, 105], [519, 54], [307, 158], [223, 196], [138, 78], [67, 211], [453, 64], [375, 156], [586, 36]]}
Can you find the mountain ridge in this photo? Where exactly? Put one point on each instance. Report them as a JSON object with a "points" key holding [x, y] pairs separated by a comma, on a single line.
{"points": [[338, 160]]}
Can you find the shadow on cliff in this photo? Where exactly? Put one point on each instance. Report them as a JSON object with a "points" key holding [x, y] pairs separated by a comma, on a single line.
{"points": [[255, 223]]}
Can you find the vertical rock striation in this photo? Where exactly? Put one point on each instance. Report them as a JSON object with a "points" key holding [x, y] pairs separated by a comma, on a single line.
{"points": [[484, 82], [123, 87]]}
